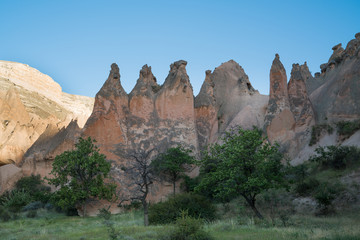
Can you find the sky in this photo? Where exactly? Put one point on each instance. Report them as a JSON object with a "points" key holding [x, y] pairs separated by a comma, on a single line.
{"points": [[76, 41]]}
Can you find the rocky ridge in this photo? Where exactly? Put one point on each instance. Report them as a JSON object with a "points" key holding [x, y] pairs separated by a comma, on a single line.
{"points": [[30, 103], [158, 117]]}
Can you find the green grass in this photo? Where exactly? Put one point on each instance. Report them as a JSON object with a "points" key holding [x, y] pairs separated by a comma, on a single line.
{"points": [[51, 225]]}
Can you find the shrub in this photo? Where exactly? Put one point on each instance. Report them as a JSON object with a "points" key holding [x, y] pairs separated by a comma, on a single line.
{"points": [[16, 199], [188, 228], [34, 186], [4, 214], [48, 206], [336, 157], [325, 195], [104, 213], [29, 184], [71, 211], [33, 206], [277, 203], [189, 184], [133, 205], [307, 187], [166, 212], [317, 130], [31, 214], [347, 128]]}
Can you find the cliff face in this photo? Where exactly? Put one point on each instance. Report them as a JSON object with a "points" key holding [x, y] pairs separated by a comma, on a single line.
{"points": [[335, 92], [279, 120], [158, 117], [30, 103], [227, 99]]}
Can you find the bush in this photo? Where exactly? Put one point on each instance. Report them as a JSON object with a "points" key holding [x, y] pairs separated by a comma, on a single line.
{"points": [[189, 184], [166, 212], [306, 187], [4, 214], [277, 204], [325, 195], [29, 184], [16, 199], [188, 228], [34, 186], [48, 206], [317, 130], [347, 128], [104, 213], [336, 157], [134, 205], [33, 206], [31, 214]]}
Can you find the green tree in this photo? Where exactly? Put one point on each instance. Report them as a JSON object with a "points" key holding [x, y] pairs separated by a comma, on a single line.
{"points": [[80, 176], [245, 164], [171, 165]]}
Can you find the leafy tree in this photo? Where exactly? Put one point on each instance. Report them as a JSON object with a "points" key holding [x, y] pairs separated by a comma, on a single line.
{"points": [[171, 165], [80, 174], [245, 164], [336, 157]]}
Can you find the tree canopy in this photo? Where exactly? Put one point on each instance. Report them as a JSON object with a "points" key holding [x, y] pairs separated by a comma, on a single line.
{"points": [[245, 164], [171, 165], [80, 176]]}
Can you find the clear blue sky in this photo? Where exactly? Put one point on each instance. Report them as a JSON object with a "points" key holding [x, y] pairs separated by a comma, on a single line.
{"points": [[75, 42]]}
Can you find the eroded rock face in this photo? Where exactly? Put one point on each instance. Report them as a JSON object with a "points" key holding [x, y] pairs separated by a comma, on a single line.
{"points": [[227, 99], [300, 104], [9, 175], [31, 102], [336, 96], [279, 120], [39, 157], [301, 107]]}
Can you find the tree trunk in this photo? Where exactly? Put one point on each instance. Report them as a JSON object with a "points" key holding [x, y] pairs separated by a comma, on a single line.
{"points": [[174, 187], [146, 213], [84, 209], [251, 203]]}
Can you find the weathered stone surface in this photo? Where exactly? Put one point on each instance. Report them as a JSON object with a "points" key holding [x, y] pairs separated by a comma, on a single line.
{"points": [[337, 55], [39, 157], [300, 104], [301, 108], [30, 102], [337, 97], [279, 120], [9, 175], [149, 117], [206, 112], [107, 123], [30, 79], [225, 94]]}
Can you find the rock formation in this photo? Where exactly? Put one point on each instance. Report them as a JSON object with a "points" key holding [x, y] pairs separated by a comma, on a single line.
{"points": [[158, 117], [30, 103], [336, 96], [300, 104], [279, 120], [227, 99]]}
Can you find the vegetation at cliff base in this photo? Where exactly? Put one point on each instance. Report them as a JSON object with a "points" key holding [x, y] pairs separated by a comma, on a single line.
{"points": [[243, 165], [80, 176]]}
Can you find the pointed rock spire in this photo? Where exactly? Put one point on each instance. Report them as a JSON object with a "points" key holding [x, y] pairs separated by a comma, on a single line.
{"points": [[279, 120], [278, 80], [206, 95], [112, 85], [146, 84], [300, 104]]}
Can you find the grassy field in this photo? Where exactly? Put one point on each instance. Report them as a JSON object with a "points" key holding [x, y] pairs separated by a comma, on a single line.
{"points": [[52, 225]]}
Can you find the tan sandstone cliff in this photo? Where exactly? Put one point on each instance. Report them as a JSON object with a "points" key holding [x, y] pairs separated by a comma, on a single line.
{"points": [[32, 105]]}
